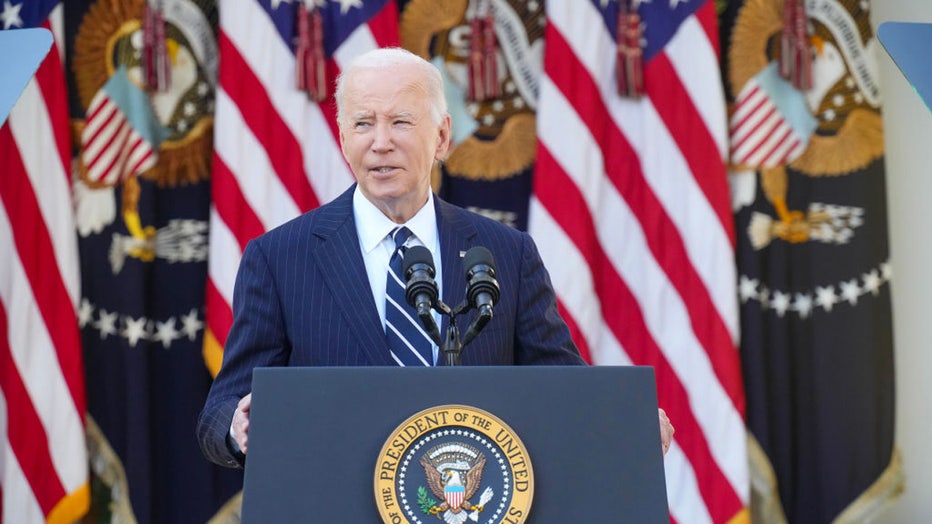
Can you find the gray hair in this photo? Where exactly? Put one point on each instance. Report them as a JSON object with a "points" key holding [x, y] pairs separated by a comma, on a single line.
{"points": [[387, 57]]}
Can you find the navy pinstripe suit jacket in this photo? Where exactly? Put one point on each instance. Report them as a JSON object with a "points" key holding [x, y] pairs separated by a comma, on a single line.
{"points": [[302, 298]]}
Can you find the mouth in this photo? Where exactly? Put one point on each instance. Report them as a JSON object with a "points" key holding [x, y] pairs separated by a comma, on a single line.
{"points": [[382, 170]]}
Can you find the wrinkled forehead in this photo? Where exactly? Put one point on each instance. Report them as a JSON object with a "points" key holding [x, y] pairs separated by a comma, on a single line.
{"points": [[372, 92]]}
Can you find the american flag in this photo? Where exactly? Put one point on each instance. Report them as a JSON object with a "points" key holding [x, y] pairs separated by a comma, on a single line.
{"points": [[122, 133], [771, 123], [631, 212], [277, 152], [43, 462]]}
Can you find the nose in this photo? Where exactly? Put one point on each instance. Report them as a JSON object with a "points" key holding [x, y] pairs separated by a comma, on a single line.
{"points": [[382, 138]]}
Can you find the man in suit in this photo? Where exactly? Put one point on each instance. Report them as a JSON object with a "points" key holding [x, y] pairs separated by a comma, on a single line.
{"points": [[313, 291]]}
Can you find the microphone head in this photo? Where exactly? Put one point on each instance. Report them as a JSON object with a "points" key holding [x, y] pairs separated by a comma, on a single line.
{"points": [[476, 256], [418, 270], [417, 255], [480, 275]]}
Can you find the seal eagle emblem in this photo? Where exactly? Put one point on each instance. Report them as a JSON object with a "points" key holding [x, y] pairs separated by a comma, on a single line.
{"points": [[454, 464], [454, 472]]}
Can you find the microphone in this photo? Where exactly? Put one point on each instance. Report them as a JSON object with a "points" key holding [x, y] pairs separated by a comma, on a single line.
{"points": [[421, 289], [482, 289]]}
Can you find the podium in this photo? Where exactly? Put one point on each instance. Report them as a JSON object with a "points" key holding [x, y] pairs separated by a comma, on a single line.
{"points": [[552, 444]]}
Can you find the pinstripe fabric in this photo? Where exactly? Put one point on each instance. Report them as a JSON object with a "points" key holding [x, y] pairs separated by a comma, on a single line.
{"points": [[302, 299], [407, 340]]}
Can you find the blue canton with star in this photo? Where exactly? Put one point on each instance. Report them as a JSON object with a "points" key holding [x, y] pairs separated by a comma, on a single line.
{"points": [[340, 19], [659, 19], [23, 14]]}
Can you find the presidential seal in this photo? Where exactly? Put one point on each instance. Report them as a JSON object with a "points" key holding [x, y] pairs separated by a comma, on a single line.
{"points": [[453, 464]]}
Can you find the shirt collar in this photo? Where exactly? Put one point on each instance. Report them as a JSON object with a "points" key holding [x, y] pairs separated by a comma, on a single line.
{"points": [[373, 226]]}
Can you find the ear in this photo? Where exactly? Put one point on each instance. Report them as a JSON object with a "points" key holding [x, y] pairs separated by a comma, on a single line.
{"points": [[444, 139], [343, 143]]}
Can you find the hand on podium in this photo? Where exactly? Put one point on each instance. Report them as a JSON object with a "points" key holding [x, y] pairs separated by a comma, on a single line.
{"points": [[239, 428], [666, 430]]}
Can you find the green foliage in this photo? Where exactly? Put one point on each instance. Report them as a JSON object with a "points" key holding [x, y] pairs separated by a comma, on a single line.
{"points": [[425, 501]]}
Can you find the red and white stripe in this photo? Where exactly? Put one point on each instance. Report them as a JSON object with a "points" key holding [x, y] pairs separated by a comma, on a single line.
{"points": [[113, 150], [43, 462], [632, 216], [277, 153], [760, 135], [455, 497]]}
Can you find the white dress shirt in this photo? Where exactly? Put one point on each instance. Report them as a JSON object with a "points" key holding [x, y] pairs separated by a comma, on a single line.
{"points": [[374, 228]]}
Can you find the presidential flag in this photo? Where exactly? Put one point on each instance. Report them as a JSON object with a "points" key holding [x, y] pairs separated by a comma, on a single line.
{"points": [[43, 462], [277, 151], [631, 212], [814, 266], [144, 136]]}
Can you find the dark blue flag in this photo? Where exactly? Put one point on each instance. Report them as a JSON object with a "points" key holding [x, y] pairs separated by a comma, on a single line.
{"points": [[142, 82], [813, 259]]}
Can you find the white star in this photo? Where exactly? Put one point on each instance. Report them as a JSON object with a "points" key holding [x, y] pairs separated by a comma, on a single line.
{"points": [[850, 291], [276, 3], [825, 297], [764, 297], [190, 324], [106, 324], [10, 15], [886, 270], [747, 288], [135, 330], [803, 304], [872, 282], [345, 5], [675, 3], [85, 313], [165, 332], [780, 303]]}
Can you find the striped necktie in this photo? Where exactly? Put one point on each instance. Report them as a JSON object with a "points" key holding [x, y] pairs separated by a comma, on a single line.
{"points": [[409, 344]]}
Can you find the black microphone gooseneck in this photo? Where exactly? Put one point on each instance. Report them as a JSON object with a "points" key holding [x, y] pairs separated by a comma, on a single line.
{"points": [[482, 292]]}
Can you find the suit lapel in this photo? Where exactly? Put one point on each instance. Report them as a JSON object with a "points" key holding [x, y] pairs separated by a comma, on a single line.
{"points": [[339, 258]]}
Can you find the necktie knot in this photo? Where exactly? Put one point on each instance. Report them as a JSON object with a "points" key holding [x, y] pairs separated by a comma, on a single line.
{"points": [[400, 235]]}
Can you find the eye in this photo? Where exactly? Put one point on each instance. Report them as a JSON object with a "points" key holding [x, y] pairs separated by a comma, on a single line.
{"points": [[361, 125]]}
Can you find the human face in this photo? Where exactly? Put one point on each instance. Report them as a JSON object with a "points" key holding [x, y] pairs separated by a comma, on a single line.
{"points": [[389, 139]]}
